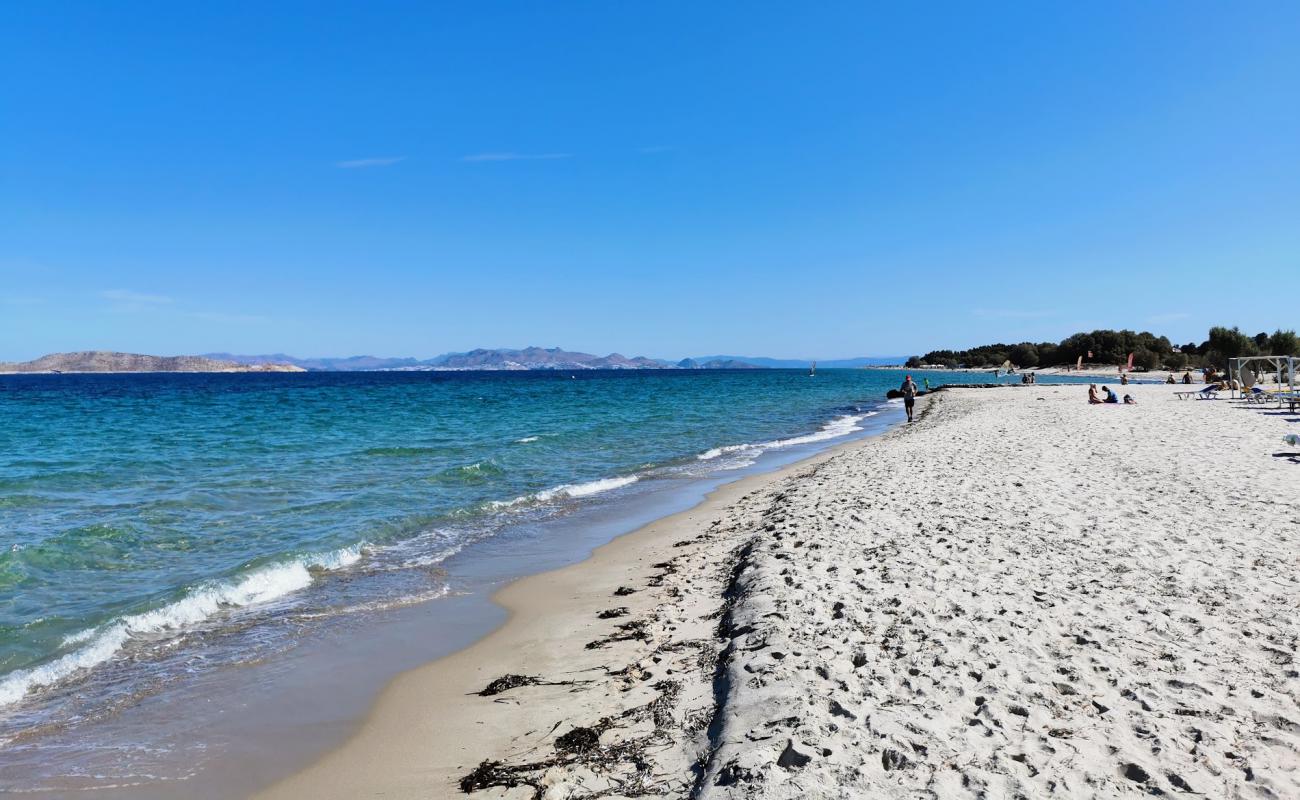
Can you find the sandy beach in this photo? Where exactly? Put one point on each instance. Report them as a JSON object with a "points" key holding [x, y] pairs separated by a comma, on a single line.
{"points": [[1019, 595]]}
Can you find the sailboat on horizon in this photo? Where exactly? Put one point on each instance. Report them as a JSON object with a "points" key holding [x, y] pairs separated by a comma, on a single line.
{"points": [[812, 373]]}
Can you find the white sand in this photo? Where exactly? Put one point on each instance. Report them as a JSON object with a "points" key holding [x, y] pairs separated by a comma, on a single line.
{"points": [[1018, 596]]}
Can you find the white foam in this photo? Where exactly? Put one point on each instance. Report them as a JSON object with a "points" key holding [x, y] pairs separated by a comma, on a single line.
{"points": [[587, 489], [501, 505], [709, 455], [840, 426], [567, 490], [199, 604], [527, 439]]}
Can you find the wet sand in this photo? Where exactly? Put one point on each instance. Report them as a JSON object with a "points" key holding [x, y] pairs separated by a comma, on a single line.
{"points": [[1019, 595]]}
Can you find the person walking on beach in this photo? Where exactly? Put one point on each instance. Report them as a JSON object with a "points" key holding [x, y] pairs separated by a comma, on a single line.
{"points": [[909, 395]]}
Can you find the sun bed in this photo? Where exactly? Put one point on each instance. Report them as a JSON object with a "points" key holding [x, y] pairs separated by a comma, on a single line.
{"points": [[1208, 393]]}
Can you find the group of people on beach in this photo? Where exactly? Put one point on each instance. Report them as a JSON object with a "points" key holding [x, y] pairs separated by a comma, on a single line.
{"points": [[1110, 397]]}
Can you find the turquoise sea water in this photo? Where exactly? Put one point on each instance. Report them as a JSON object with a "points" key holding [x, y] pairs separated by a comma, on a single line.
{"points": [[158, 525]]}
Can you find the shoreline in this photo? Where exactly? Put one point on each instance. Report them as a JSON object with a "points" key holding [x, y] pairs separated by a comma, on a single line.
{"points": [[264, 720], [973, 603], [551, 616]]}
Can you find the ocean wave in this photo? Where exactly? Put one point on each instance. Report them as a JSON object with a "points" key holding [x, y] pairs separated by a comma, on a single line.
{"points": [[709, 455], [834, 429], [468, 474], [565, 491], [198, 605], [576, 490], [527, 439]]}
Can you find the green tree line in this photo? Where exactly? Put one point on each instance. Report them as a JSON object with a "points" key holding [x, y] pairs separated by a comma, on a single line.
{"points": [[1149, 351]]}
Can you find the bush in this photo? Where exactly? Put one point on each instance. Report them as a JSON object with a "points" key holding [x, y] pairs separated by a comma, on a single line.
{"points": [[1176, 361]]}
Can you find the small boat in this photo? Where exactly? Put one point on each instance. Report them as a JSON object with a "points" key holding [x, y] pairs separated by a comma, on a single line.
{"points": [[812, 373]]}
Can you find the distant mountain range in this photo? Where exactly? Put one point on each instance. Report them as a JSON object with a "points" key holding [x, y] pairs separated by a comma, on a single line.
{"points": [[106, 361], [529, 358], [532, 358]]}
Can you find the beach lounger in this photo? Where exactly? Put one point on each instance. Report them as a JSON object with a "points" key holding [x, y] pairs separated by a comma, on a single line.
{"points": [[1208, 393]]}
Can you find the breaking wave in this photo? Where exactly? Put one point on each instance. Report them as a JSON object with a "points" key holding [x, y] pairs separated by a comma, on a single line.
{"points": [[199, 604], [834, 429]]}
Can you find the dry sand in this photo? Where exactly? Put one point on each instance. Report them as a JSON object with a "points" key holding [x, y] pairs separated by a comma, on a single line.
{"points": [[1020, 595]]}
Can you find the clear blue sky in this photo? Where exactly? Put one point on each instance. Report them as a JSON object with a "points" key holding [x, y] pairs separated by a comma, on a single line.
{"points": [[667, 179]]}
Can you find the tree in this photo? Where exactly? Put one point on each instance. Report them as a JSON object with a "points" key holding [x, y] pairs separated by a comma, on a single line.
{"points": [[1049, 354], [914, 362], [1176, 361], [1023, 355], [1146, 359], [1225, 343], [1283, 343], [1075, 347]]}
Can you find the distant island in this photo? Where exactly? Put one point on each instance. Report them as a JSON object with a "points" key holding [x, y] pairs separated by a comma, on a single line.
{"points": [[538, 358], [106, 361], [528, 358]]}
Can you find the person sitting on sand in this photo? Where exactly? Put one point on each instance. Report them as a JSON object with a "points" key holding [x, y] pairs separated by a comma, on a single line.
{"points": [[1170, 379], [1123, 379], [1093, 399], [909, 395], [1111, 397], [1129, 401], [1187, 377]]}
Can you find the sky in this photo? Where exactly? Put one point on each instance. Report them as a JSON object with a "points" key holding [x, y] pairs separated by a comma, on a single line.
{"points": [[663, 179]]}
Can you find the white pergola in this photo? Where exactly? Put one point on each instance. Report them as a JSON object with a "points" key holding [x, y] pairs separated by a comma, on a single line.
{"points": [[1245, 372]]}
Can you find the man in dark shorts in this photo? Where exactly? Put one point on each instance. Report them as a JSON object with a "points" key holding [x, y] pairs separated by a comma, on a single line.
{"points": [[909, 395]]}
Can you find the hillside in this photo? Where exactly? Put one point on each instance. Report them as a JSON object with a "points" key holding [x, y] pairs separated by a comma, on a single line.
{"points": [[108, 361], [528, 358], [539, 358]]}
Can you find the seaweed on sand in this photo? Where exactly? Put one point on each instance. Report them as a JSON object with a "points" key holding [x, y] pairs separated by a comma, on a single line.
{"points": [[507, 682], [621, 765]]}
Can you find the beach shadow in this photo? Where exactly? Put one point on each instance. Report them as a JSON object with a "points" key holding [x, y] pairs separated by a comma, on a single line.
{"points": [[1294, 458]]}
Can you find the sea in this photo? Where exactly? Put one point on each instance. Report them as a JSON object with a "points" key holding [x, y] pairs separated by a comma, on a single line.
{"points": [[164, 536]]}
